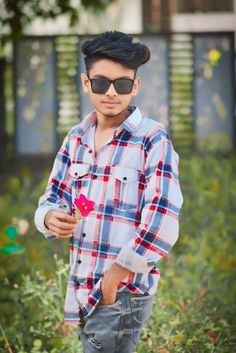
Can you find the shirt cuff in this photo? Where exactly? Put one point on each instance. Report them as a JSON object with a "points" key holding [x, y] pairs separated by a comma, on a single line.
{"points": [[39, 218], [132, 261]]}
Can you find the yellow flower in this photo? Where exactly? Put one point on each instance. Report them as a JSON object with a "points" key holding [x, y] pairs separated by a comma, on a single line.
{"points": [[190, 259], [180, 337], [214, 56], [215, 186]]}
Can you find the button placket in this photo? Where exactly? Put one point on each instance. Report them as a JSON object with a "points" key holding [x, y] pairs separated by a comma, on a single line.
{"points": [[90, 155]]}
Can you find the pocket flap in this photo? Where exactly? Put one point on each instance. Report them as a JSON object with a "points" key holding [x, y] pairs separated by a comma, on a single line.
{"points": [[78, 170], [126, 175]]}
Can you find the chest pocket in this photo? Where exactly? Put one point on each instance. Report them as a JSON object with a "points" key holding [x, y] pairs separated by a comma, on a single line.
{"points": [[79, 173], [126, 188], [79, 170]]}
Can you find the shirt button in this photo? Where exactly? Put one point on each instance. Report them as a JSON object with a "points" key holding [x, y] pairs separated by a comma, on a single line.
{"points": [[124, 178], [90, 151], [79, 261], [83, 235]]}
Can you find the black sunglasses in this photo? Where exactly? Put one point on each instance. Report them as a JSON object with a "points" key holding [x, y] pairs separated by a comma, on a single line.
{"points": [[101, 85]]}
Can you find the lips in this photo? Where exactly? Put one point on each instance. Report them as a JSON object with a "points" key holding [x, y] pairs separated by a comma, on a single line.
{"points": [[110, 102]]}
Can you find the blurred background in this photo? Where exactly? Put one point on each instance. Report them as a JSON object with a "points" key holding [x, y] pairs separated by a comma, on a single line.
{"points": [[189, 86]]}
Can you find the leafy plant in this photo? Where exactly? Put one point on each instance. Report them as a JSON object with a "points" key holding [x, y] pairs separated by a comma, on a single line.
{"points": [[38, 323], [9, 246], [194, 309], [16, 15]]}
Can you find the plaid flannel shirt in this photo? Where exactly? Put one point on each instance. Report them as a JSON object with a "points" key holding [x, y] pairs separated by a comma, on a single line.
{"points": [[135, 185]]}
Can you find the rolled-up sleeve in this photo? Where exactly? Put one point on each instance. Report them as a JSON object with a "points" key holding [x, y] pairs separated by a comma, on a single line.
{"points": [[158, 230], [58, 191]]}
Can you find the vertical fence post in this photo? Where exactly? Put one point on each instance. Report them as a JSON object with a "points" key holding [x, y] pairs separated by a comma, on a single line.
{"points": [[2, 115], [165, 18]]}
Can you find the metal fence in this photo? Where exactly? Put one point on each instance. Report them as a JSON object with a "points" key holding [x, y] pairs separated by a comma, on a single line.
{"points": [[188, 85]]}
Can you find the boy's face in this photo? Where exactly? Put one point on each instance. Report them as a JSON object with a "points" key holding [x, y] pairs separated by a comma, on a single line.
{"points": [[110, 103]]}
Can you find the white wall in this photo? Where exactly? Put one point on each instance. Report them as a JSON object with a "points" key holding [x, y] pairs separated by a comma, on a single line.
{"points": [[204, 22]]}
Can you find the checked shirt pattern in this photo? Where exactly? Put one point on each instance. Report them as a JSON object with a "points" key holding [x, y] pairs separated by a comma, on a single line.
{"points": [[134, 182]]}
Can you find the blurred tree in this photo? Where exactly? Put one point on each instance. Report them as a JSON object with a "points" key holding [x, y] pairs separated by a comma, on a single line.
{"points": [[15, 15]]}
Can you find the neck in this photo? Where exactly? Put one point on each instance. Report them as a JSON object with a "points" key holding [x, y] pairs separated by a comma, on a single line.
{"points": [[107, 122]]}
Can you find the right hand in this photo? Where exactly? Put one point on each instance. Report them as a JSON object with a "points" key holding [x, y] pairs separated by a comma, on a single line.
{"points": [[60, 224]]}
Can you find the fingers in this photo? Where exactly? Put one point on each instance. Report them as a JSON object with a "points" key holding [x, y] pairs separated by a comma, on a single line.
{"points": [[59, 230], [64, 226], [58, 233], [65, 217], [60, 224]]}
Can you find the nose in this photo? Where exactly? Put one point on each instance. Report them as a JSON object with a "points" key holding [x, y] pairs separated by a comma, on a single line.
{"points": [[111, 90]]}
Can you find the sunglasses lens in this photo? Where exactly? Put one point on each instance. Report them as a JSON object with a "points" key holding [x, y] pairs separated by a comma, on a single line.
{"points": [[100, 85], [123, 86]]}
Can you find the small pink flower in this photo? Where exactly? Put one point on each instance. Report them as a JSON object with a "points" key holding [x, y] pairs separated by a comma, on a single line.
{"points": [[84, 205]]}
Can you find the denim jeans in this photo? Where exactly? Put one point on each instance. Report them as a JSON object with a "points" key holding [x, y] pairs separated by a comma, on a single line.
{"points": [[116, 328]]}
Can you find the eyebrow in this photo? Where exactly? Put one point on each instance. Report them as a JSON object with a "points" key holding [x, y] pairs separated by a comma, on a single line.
{"points": [[121, 77]]}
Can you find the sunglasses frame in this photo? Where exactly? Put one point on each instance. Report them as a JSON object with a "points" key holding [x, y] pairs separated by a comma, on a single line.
{"points": [[111, 82]]}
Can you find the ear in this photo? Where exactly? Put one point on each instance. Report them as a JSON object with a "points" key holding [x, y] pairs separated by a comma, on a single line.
{"points": [[136, 86], [85, 82]]}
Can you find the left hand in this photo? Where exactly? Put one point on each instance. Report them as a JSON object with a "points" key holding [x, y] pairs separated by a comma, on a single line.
{"points": [[110, 283], [109, 291]]}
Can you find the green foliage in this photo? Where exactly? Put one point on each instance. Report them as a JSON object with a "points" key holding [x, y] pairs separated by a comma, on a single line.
{"points": [[38, 321], [18, 201], [194, 309], [10, 248], [11, 232], [16, 15]]}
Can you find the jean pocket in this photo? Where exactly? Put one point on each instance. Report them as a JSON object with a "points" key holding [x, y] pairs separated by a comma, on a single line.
{"points": [[101, 329], [141, 308], [114, 305]]}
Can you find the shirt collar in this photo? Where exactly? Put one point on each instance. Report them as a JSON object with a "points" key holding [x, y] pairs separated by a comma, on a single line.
{"points": [[130, 124]]}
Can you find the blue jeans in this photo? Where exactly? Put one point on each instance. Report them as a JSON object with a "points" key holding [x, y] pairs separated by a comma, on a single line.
{"points": [[116, 328]]}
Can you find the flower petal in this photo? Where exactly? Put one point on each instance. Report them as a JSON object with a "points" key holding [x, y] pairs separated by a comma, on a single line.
{"points": [[85, 212], [84, 205]]}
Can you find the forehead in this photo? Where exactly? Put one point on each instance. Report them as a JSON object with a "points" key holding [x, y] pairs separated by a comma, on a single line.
{"points": [[110, 69]]}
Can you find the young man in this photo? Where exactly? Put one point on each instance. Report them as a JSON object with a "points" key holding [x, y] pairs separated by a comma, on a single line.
{"points": [[127, 165]]}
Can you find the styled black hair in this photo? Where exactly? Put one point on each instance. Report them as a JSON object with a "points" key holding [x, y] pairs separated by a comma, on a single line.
{"points": [[116, 46]]}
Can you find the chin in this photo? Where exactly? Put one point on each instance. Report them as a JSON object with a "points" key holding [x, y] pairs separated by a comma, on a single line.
{"points": [[111, 112]]}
